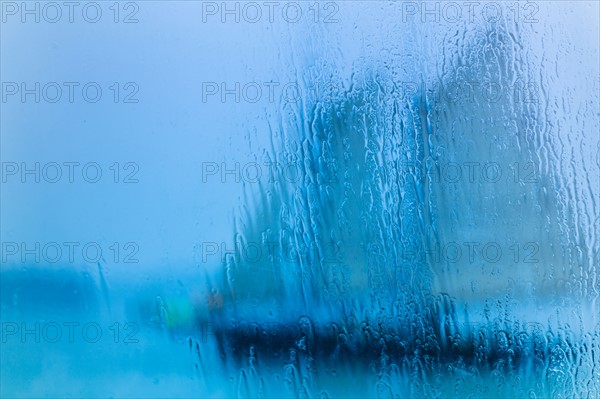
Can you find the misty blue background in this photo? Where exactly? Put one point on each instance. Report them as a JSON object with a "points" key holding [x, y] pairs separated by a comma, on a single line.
{"points": [[170, 132], [169, 53]]}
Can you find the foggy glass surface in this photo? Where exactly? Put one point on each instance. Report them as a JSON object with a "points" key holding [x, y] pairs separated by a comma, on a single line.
{"points": [[300, 199]]}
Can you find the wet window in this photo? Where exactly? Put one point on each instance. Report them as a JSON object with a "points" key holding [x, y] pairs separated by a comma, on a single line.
{"points": [[300, 199]]}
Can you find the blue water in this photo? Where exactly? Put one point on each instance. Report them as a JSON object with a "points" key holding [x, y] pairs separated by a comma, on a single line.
{"points": [[371, 201]]}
